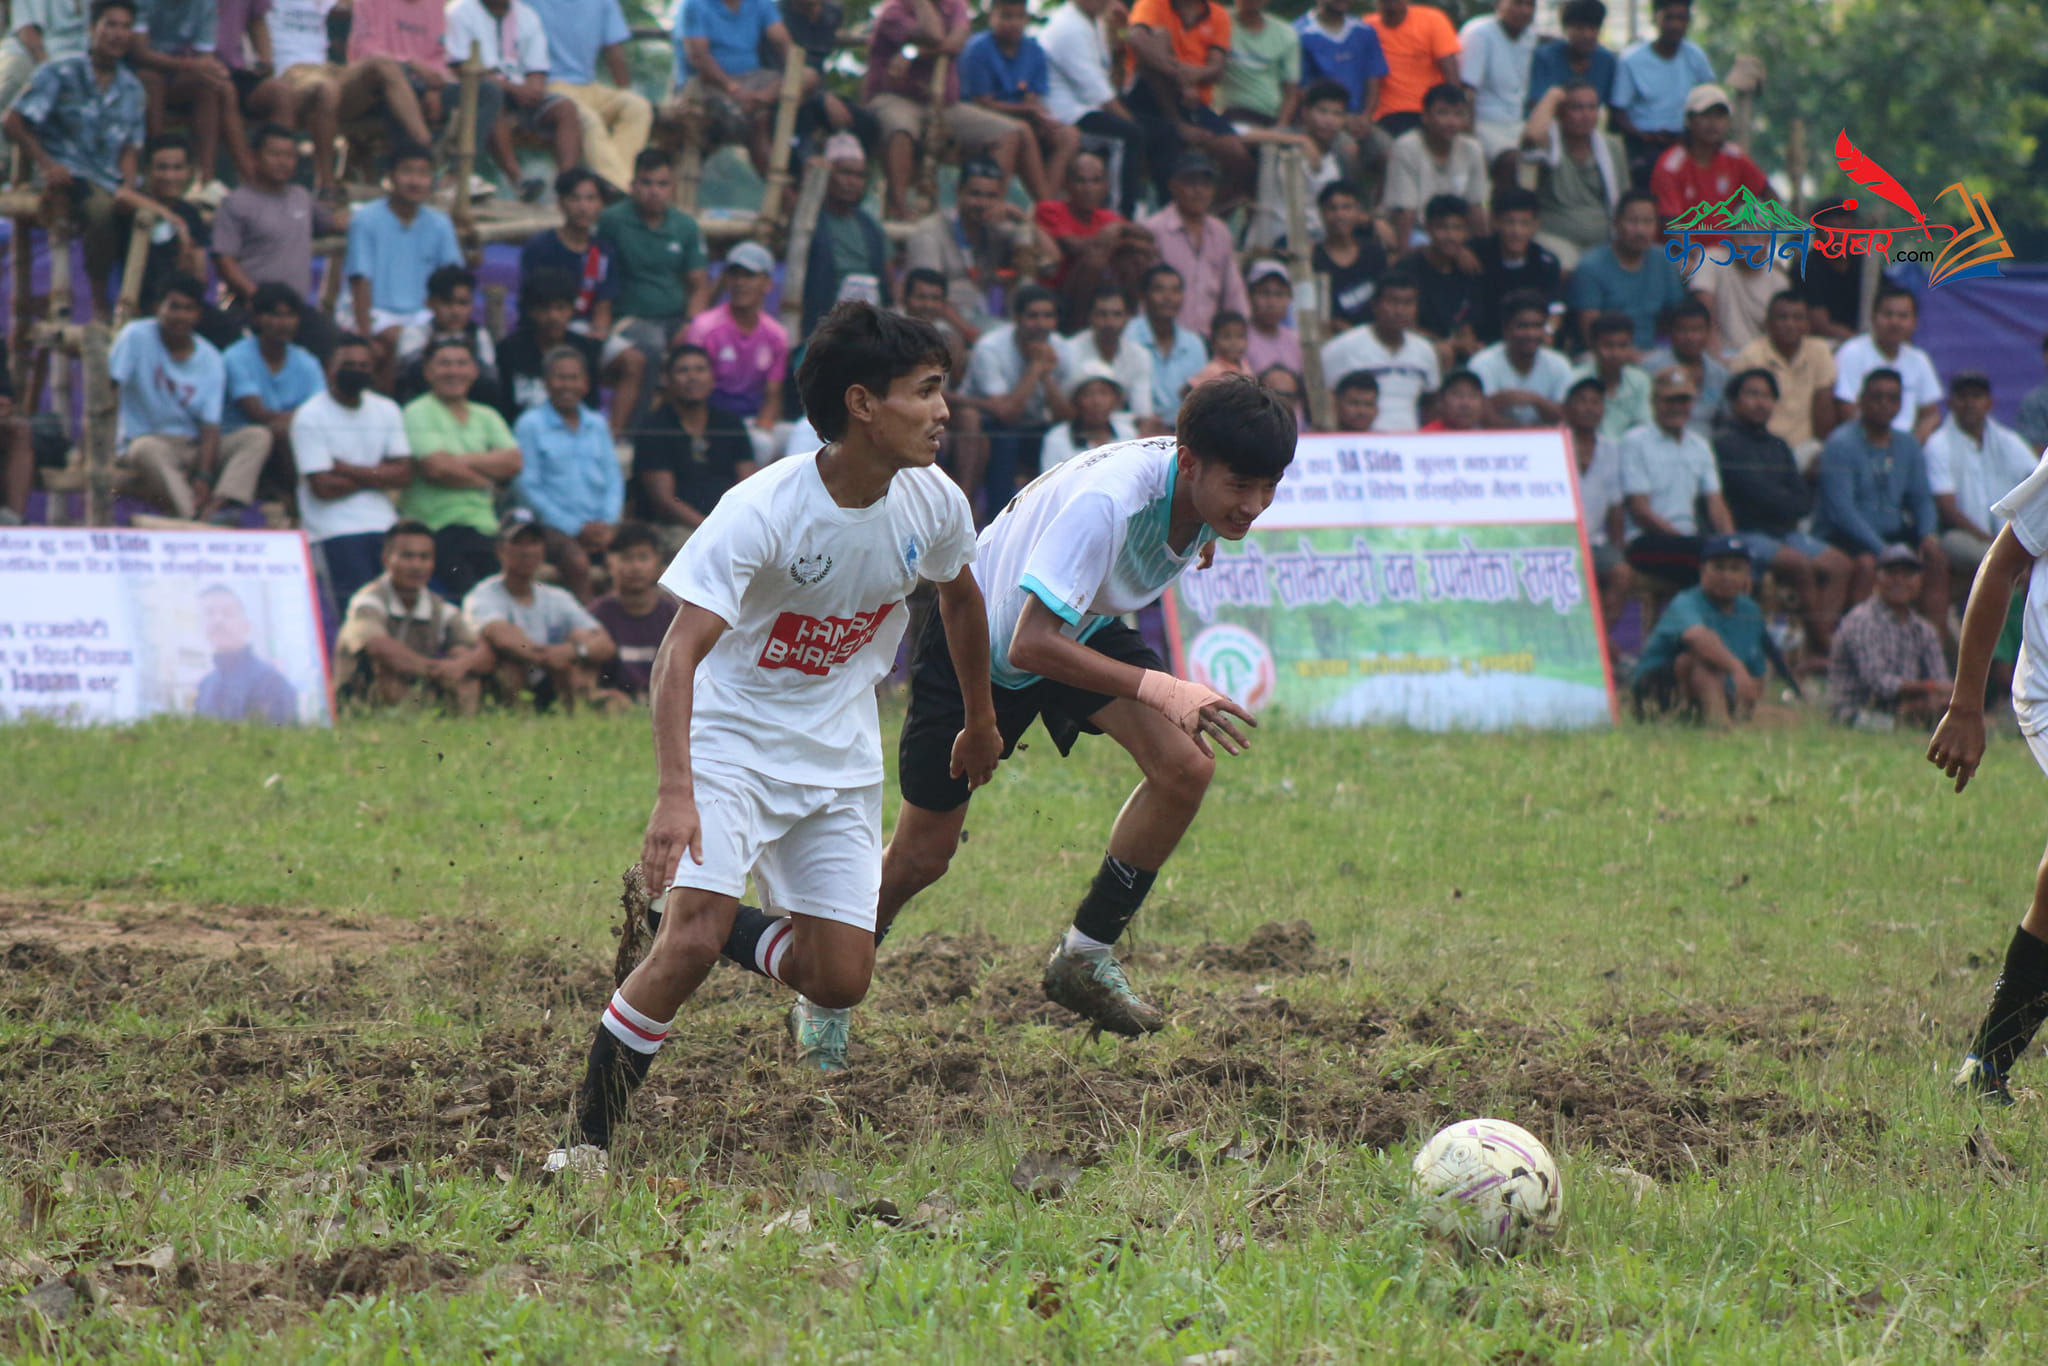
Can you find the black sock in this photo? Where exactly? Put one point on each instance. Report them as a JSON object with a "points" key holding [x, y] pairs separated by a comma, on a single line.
{"points": [[2019, 1004], [609, 1080], [743, 945], [882, 932], [1113, 898]]}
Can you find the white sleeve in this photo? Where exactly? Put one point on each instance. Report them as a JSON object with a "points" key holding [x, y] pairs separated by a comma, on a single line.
{"points": [[1139, 398], [1635, 470], [1404, 179], [575, 613], [397, 446], [718, 563], [1429, 366], [310, 449], [1926, 384], [952, 547], [1071, 558], [1941, 475], [1710, 471], [985, 372], [533, 44], [2027, 509], [486, 603], [1472, 55], [1849, 370]]}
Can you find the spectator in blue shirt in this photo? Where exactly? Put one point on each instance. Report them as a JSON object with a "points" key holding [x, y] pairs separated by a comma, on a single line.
{"points": [[1005, 71], [1874, 493], [1578, 56], [1337, 47], [269, 377], [616, 118], [1629, 274], [81, 122], [1707, 653], [569, 474], [1177, 353], [1650, 85], [718, 63], [394, 244]]}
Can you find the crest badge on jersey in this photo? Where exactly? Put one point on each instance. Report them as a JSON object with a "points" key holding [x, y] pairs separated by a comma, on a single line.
{"points": [[810, 569], [910, 553]]}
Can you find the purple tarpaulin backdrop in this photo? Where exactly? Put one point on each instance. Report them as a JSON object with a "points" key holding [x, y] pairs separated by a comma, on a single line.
{"points": [[1992, 324]]}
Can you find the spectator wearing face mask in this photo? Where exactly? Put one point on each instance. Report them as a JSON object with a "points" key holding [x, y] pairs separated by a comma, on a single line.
{"points": [[352, 455]]}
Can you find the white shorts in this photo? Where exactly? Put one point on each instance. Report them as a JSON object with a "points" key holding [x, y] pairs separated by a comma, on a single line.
{"points": [[812, 850], [383, 320], [2037, 745]]}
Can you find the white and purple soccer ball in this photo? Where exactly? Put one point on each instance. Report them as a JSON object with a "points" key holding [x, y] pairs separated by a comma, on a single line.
{"points": [[1490, 1185]]}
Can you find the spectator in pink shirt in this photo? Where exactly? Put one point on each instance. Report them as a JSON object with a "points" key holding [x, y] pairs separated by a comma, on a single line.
{"points": [[1198, 245], [749, 350], [413, 33], [1272, 342]]}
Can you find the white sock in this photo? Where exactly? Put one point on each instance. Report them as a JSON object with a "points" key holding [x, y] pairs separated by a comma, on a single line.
{"points": [[633, 1029], [772, 947], [813, 1008], [1077, 942]]}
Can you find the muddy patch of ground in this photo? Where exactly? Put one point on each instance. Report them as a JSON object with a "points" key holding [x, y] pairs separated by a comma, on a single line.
{"points": [[281, 934]]}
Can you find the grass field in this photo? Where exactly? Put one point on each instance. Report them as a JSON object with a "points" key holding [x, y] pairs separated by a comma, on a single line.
{"points": [[286, 1020]]}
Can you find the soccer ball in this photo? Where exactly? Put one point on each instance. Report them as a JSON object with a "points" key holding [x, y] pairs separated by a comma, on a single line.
{"points": [[1491, 1185]]}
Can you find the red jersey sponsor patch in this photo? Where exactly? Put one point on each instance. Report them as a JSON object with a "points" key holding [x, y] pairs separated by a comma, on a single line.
{"points": [[813, 646]]}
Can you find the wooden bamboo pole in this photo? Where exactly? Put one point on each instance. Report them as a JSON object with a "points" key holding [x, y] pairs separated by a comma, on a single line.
{"points": [[130, 301], [810, 202], [774, 195], [22, 281], [465, 138], [938, 138], [101, 415], [59, 314], [690, 174], [1308, 306], [1795, 163]]}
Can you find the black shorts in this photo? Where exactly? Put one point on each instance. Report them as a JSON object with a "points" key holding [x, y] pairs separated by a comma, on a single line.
{"points": [[924, 755]]}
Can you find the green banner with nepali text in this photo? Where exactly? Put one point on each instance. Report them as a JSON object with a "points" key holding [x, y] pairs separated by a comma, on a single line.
{"points": [[1440, 582]]}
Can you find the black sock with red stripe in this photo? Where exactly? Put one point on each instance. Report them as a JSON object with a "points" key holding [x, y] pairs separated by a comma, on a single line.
{"points": [[620, 1055], [760, 942]]}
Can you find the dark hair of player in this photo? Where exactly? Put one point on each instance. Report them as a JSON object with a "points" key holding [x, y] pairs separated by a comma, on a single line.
{"points": [[1514, 199], [1522, 301], [1885, 373], [923, 275], [631, 535], [545, 287], [445, 280], [1364, 381], [1733, 389], [572, 180], [1337, 187], [1445, 206], [185, 286], [1324, 92], [166, 142], [1240, 422], [271, 296], [411, 526], [1587, 383], [859, 344], [1605, 325], [1444, 92], [650, 159]]}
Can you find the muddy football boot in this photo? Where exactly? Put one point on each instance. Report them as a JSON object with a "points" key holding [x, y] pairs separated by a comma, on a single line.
{"points": [[1979, 1083], [1093, 986], [639, 922], [820, 1035], [584, 1160]]}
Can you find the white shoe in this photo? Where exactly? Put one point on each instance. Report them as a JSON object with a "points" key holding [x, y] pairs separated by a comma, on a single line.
{"points": [[585, 1159], [210, 194], [480, 188]]}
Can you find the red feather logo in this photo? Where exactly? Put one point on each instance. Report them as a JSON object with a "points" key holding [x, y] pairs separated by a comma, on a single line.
{"points": [[1866, 172]]}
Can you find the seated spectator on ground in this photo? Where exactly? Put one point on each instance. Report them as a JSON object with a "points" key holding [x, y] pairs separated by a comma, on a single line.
{"points": [[1351, 254], [720, 46], [1196, 243], [904, 47], [1437, 158], [463, 454], [1495, 52], [400, 642], [1270, 340], [615, 117], [1803, 367], [1337, 47], [1460, 404], [1973, 460], [1525, 381], [545, 641], [1769, 497], [80, 123], [1610, 360], [1874, 493], [38, 32], [1402, 360], [1629, 274], [971, 244], [1320, 137], [636, 613], [1175, 54], [1176, 352], [304, 92], [263, 232], [1358, 402], [1107, 341], [1687, 326], [2033, 414], [1651, 81], [848, 247], [1667, 472], [1421, 51], [749, 349], [687, 453], [241, 685], [1578, 56], [547, 304], [170, 384], [1013, 378], [1707, 653], [179, 238], [1888, 666], [1449, 284], [1701, 167], [1097, 401], [578, 249], [394, 244], [1889, 346], [268, 375], [174, 56], [1081, 91], [348, 444], [1261, 85], [569, 475], [814, 26], [512, 44], [1004, 71], [1229, 335], [1511, 261], [1088, 234], [451, 306], [1581, 172], [1600, 499]]}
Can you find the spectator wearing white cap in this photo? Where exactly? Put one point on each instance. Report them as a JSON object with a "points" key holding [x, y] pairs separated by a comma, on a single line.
{"points": [[848, 247], [1097, 398], [749, 349], [1271, 341]]}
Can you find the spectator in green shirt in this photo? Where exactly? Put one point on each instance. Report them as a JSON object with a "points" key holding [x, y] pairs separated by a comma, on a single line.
{"points": [[1707, 653], [1261, 82], [660, 254], [463, 454]]}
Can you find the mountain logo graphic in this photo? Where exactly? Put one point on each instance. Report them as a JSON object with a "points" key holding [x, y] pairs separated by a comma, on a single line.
{"points": [[1739, 212]]}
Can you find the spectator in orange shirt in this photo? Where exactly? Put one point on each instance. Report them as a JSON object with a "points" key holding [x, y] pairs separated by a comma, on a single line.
{"points": [[1421, 48], [1178, 49]]}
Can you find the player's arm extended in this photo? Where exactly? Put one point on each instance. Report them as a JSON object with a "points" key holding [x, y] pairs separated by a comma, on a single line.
{"points": [[979, 746], [1958, 743], [1038, 646], [672, 830]]}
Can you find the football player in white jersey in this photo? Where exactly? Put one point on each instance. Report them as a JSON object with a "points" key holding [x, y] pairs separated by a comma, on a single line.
{"points": [[766, 736]]}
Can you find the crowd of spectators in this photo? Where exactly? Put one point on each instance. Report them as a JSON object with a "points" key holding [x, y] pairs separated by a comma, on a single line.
{"points": [[1485, 229]]}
